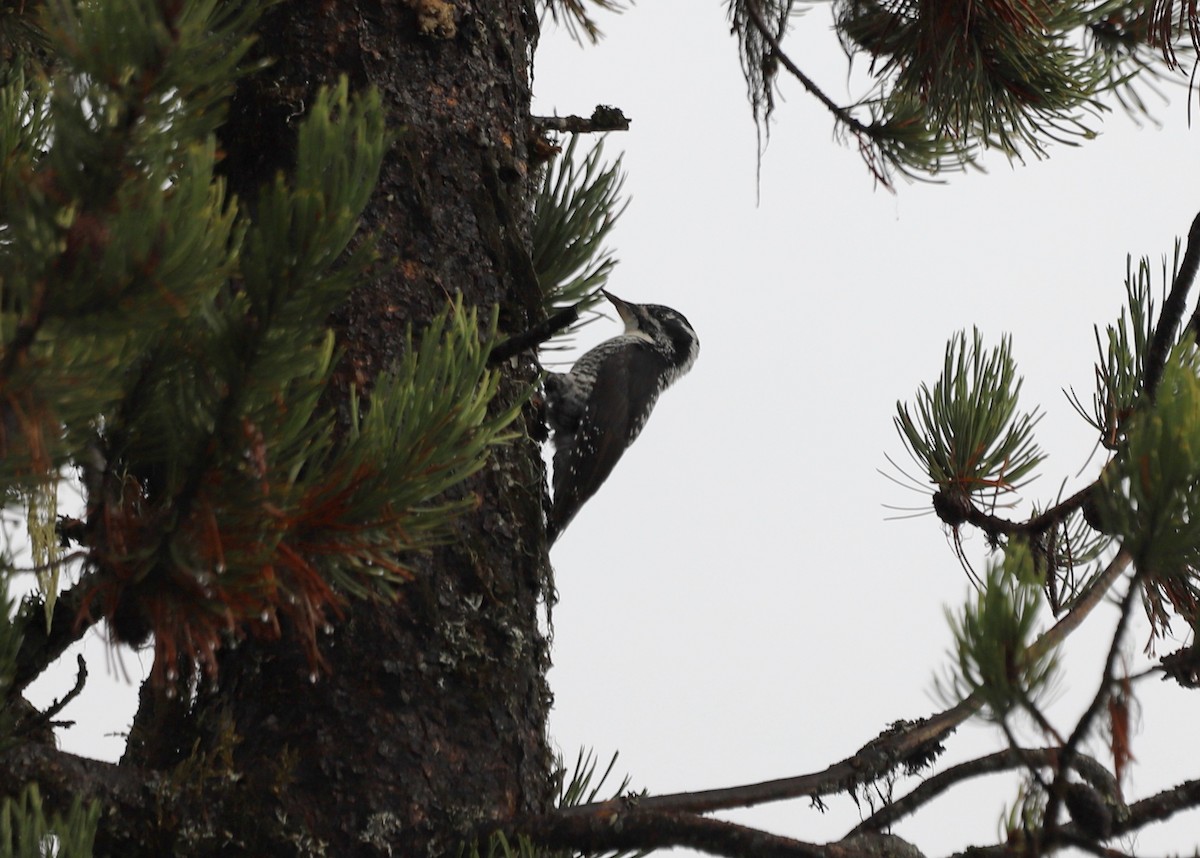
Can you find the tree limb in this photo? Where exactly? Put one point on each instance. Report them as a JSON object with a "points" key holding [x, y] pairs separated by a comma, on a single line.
{"points": [[57, 706], [840, 113], [1155, 808], [934, 786], [1160, 806], [865, 135], [603, 118], [873, 760], [625, 825], [535, 336], [1057, 788], [1009, 758], [39, 646], [995, 526], [1172, 311], [129, 799]]}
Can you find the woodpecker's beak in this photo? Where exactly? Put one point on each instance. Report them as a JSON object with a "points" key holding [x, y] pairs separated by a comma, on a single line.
{"points": [[626, 314]]}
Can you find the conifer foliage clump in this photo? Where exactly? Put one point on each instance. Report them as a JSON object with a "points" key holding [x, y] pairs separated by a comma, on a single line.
{"points": [[169, 345]]}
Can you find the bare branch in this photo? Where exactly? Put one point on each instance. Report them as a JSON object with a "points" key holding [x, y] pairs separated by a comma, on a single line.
{"points": [[931, 788], [1161, 806], [603, 118], [1156, 808], [1057, 788], [874, 760], [81, 676], [624, 825], [1010, 758], [996, 526]]}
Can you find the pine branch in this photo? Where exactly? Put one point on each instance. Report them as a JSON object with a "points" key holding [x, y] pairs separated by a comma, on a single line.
{"points": [[967, 432], [1172, 312], [577, 204], [841, 115], [603, 119], [1145, 494], [1084, 725], [754, 13], [1156, 808], [908, 740], [1160, 806], [899, 136], [575, 16], [1009, 758], [628, 826], [535, 336], [995, 526], [26, 332], [993, 658], [953, 502], [81, 675], [133, 805]]}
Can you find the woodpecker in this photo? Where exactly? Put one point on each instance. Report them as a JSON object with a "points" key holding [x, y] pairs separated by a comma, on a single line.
{"points": [[598, 408]]}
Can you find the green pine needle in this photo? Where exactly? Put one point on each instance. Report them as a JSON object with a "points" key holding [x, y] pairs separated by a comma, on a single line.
{"points": [[584, 787], [577, 18], [993, 632], [429, 426], [27, 831], [1121, 368], [574, 211], [1150, 494], [967, 433], [108, 199]]}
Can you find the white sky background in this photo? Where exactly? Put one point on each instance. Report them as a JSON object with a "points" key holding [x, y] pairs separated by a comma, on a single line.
{"points": [[735, 605]]}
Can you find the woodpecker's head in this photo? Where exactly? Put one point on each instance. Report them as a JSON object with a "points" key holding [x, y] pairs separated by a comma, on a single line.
{"points": [[667, 330]]}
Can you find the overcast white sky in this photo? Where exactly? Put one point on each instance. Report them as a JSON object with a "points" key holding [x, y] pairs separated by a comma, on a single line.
{"points": [[735, 605]]}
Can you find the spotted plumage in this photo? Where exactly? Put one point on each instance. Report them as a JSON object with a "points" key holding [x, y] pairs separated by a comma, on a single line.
{"points": [[598, 408]]}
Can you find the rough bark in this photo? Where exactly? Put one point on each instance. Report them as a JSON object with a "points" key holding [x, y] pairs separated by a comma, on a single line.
{"points": [[431, 713]]}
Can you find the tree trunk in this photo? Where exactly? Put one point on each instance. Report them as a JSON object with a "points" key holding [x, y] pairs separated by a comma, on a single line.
{"points": [[431, 712]]}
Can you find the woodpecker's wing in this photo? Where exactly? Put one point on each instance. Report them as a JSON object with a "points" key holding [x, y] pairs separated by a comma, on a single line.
{"points": [[626, 378]]}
